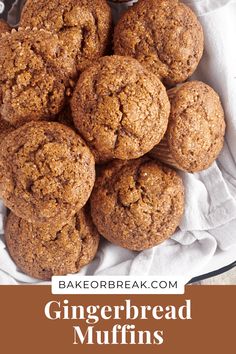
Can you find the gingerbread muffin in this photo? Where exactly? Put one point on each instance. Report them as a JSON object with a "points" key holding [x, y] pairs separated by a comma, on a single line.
{"points": [[137, 204], [33, 76], [120, 108], [4, 27], [164, 35], [83, 26], [46, 172], [42, 252], [195, 134]]}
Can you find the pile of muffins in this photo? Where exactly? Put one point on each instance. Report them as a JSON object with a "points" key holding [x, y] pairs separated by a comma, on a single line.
{"points": [[95, 122]]}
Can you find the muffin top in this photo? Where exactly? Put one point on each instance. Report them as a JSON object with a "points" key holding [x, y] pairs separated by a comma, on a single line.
{"points": [[42, 252], [83, 26], [196, 128], [138, 203], [4, 27], [164, 35], [120, 108], [32, 85], [46, 172]]}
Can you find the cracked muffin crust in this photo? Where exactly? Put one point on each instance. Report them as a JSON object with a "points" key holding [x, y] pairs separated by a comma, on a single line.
{"points": [[32, 78], [137, 204], [42, 252], [46, 172], [164, 35], [83, 26], [120, 108], [4, 27], [195, 134]]}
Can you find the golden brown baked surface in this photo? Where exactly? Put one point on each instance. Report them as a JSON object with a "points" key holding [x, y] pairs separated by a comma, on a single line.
{"points": [[46, 172], [83, 26], [120, 108], [32, 77], [42, 252], [138, 203], [4, 27], [164, 35], [196, 129]]}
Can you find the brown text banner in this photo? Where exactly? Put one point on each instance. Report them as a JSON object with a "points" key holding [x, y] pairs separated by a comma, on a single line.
{"points": [[200, 321]]}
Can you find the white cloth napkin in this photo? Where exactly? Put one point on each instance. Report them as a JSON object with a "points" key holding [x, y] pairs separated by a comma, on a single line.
{"points": [[208, 227]]}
